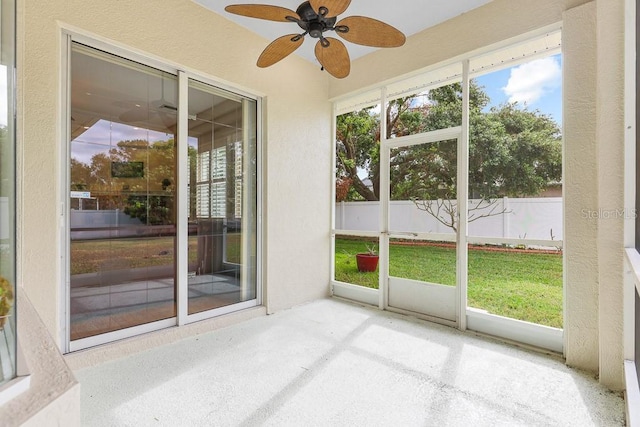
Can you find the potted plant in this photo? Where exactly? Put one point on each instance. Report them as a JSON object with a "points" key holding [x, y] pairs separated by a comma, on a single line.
{"points": [[367, 261], [6, 300]]}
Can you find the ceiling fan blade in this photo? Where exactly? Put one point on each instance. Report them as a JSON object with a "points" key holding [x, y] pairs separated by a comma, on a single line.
{"points": [[334, 7], [369, 32], [334, 57], [262, 11], [279, 49]]}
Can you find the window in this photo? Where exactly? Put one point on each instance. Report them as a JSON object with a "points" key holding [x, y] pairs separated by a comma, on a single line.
{"points": [[515, 191], [8, 331], [464, 193]]}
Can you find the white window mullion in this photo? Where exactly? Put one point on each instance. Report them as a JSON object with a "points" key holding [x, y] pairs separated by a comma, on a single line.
{"points": [[65, 223], [463, 203], [244, 205], [385, 196], [182, 238]]}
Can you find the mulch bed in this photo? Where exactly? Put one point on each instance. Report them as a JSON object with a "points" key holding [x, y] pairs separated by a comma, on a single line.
{"points": [[486, 248]]}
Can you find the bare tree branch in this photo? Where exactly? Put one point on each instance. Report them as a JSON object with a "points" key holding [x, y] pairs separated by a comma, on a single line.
{"points": [[445, 211]]}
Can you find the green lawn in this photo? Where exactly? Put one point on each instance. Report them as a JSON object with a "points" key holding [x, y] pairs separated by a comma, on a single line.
{"points": [[524, 286]]}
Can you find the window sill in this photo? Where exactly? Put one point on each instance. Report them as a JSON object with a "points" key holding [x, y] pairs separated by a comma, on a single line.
{"points": [[14, 388]]}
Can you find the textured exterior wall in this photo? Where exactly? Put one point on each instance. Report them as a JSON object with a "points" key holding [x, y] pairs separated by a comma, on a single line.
{"points": [[593, 137], [610, 140], [581, 187], [297, 134]]}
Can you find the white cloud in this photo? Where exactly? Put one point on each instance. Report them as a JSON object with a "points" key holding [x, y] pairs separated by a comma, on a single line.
{"points": [[529, 82]]}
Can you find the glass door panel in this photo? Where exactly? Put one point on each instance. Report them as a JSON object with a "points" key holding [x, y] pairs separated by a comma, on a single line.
{"points": [[122, 194], [222, 199], [422, 228]]}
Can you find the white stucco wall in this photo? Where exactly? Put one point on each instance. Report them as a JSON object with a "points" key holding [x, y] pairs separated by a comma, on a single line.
{"points": [[593, 137], [297, 134], [610, 142], [581, 181]]}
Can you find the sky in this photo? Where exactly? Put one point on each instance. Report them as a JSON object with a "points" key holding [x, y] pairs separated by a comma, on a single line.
{"points": [[105, 135], [536, 85]]}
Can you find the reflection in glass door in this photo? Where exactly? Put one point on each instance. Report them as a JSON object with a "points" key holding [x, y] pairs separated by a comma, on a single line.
{"points": [[122, 189], [222, 198], [162, 217]]}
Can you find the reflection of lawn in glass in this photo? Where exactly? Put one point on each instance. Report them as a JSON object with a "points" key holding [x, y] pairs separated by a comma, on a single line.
{"points": [[88, 255], [524, 286]]}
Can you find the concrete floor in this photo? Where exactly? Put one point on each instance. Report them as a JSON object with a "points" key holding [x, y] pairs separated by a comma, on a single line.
{"points": [[332, 363]]}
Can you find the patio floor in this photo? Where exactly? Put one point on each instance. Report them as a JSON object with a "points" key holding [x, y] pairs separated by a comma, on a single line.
{"points": [[332, 363]]}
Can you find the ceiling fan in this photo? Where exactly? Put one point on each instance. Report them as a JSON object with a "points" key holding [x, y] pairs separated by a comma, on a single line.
{"points": [[316, 17], [140, 111]]}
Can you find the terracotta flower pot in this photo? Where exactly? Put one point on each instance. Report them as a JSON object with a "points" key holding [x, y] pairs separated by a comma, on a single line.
{"points": [[367, 262]]}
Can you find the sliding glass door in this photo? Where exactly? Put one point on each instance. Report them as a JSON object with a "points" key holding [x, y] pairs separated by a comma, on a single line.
{"points": [[122, 193], [222, 199], [145, 220]]}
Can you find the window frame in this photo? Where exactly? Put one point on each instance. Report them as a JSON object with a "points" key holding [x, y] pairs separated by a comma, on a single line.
{"points": [[540, 43], [20, 380]]}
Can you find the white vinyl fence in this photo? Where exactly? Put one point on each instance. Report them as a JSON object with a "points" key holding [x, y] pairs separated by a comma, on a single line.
{"points": [[531, 218]]}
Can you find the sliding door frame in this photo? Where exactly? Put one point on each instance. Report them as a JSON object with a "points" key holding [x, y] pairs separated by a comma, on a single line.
{"points": [[68, 36]]}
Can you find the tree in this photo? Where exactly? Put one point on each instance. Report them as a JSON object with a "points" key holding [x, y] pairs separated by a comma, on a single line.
{"points": [[359, 148], [513, 151], [146, 194]]}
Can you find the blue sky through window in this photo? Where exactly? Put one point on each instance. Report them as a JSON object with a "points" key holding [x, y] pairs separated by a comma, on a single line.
{"points": [[536, 84]]}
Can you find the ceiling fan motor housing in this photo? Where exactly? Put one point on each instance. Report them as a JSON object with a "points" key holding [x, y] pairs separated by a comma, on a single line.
{"points": [[313, 23]]}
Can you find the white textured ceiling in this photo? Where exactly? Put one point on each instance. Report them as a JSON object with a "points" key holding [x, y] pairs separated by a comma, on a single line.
{"points": [[409, 16]]}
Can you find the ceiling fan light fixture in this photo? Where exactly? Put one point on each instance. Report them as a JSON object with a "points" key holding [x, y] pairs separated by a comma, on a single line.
{"points": [[316, 29]]}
